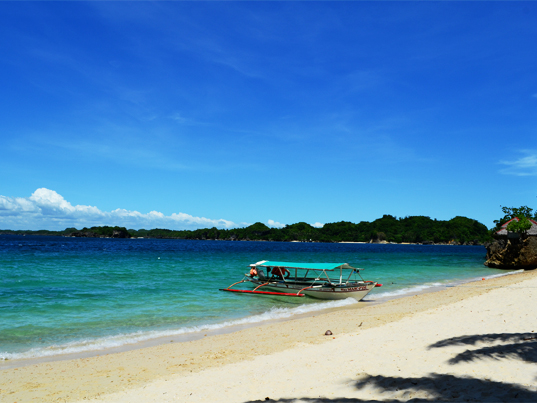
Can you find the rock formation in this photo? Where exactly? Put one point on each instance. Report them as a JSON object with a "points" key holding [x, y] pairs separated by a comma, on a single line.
{"points": [[513, 250], [512, 253]]}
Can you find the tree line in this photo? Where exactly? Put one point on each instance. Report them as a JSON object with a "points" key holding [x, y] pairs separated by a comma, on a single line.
{"points": [[414, 229]]}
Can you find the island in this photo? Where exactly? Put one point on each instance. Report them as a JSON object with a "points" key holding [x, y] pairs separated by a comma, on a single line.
{"points": [[388, 229]]}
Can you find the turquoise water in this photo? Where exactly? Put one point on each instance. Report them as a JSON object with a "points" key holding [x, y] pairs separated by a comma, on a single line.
{"points": [[61, 295]]}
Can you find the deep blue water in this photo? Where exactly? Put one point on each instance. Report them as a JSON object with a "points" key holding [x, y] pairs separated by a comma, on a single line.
{"points": [[62, 295]]}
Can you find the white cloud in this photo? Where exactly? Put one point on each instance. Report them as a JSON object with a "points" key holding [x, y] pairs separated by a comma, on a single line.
{"points": [[276, 224], [524, 166], [46, 209], [178, 117]]}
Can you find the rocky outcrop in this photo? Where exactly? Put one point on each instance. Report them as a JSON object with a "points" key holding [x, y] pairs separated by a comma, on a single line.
{"points": [[513, 252]]}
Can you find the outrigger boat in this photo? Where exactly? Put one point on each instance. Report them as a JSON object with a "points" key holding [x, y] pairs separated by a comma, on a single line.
{"points": [[317, 280]]}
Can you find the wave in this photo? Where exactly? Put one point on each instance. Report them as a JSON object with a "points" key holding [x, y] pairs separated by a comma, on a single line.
{"points": [[421, 288], [503, 274], [405, 291], [104, 343]]}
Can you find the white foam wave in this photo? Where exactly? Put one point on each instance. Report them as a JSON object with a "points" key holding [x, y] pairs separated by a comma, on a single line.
{"points": [[104, 343], [424, 287], [406, 291], [504, 274]]}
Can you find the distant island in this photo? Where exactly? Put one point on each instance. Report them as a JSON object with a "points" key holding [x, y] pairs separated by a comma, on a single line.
{"points": [[388, 229]]}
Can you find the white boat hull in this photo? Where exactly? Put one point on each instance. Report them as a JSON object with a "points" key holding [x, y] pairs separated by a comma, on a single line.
{"points": [[357, 292]]}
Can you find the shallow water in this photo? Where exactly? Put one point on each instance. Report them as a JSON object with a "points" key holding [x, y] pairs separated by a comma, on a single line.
{"points": [[66, 295]]}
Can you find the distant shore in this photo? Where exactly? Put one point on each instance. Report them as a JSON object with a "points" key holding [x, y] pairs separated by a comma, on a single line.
{"points": [[414, 229], [254, 240], [370, 343]]}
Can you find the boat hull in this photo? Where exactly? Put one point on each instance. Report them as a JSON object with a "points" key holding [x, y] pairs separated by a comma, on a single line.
{"points": [[334, 295], [357, 292]]}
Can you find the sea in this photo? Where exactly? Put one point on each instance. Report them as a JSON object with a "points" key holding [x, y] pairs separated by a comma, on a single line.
{"points": [[61, 295]]}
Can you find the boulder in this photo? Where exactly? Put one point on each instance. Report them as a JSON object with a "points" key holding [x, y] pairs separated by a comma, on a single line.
{"points": [[512, 253]]}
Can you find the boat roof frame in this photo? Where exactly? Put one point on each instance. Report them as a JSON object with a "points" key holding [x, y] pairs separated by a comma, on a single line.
{"points": [[307, 266]]}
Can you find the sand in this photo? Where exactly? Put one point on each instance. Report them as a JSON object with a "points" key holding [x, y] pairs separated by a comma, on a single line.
{"points": [[475, 342]]}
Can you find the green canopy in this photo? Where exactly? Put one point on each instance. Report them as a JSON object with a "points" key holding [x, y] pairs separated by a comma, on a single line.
{"points": [[307, 266]]}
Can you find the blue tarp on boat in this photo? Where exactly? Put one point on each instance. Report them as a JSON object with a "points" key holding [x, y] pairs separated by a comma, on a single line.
{"points": [[307, 266]]}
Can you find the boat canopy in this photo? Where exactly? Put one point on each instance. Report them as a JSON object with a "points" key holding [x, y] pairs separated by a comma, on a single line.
{"points": [[306, 266]]}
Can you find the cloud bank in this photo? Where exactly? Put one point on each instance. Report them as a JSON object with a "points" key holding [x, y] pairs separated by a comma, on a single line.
{"points": [[275, 224], [524, 166], [46, 209]]}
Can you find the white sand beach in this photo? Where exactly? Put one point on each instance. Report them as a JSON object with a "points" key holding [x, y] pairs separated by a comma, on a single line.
{"points": [[473, 342]]}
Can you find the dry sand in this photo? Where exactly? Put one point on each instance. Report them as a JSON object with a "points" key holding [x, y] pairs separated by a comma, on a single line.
{"points": [[476, 342]]}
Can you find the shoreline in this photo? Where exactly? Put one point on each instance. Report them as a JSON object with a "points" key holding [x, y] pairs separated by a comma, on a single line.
{"points": [[181, 335], [91, 377]]}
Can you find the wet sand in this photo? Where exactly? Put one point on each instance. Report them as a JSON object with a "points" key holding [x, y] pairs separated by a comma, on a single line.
{"points": [[399, 349]]}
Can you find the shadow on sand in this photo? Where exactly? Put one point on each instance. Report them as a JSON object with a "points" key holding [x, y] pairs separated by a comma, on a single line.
{"points": [[522, 346], [444, 387]]}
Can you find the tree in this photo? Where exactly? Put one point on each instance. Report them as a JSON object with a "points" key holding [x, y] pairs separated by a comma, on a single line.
{"points": [[520, 225], [512, 212], [522, 215]]}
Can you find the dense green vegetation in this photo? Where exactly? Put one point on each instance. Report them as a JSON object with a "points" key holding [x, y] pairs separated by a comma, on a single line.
{"points": [[416, 229], [28, 232], [101, 232], [93, 232], [523, 214]]}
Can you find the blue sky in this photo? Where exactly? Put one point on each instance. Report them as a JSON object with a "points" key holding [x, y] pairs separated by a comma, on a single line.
{"points": [[194, 114]]}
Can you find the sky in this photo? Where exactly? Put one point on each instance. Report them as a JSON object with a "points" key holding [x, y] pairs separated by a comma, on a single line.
{"points": [[187, 115]]}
